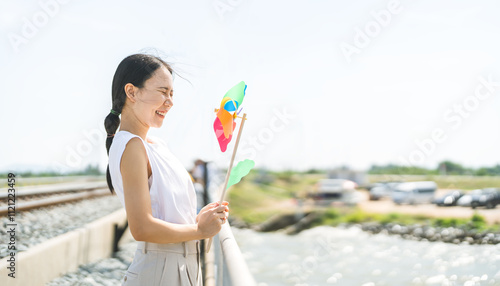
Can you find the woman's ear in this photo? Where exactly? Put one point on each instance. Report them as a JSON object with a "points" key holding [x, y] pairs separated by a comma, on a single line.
{"points": [[130, 91]]}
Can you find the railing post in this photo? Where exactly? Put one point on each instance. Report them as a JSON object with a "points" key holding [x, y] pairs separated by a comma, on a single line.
{"points": [[118, 233]]}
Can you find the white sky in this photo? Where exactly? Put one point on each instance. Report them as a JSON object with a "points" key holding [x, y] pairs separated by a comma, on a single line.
{"points": [[401, 86]]}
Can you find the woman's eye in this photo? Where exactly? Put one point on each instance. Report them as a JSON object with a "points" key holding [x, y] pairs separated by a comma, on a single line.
{"points": [[164, 93]]}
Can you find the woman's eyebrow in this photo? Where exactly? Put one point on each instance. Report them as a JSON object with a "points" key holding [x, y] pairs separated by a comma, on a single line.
{"points": [[163, 87]]}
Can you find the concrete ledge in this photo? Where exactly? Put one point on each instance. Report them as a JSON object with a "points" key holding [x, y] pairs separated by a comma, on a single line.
{"points": [[57, 256]]}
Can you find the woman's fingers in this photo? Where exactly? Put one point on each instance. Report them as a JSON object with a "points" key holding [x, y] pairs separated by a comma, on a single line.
{"points": [[224, 203], [221, 209], [223, 220], [212, 205]]}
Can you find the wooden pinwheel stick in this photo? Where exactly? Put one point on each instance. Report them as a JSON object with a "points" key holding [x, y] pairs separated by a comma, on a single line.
{"points": [[229, 169], [232, 158]]}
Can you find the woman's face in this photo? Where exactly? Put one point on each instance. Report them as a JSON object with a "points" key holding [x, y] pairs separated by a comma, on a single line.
{"points": [[154, 99]]}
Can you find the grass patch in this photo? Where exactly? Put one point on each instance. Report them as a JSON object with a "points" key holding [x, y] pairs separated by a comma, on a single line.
{"points": [[254, 203], [261, 194], [334, 217]]}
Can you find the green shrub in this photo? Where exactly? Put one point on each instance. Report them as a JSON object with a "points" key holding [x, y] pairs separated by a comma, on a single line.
{"points": [[355, 217], [478, 221], [332, 214]]}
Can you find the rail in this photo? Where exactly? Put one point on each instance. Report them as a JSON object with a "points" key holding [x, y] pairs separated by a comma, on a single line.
{"points": [[54, 200], [54, 188], [239, 274]]}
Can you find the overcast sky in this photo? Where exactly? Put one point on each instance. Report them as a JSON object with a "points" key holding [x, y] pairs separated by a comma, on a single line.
{"points": [[330, 83]]}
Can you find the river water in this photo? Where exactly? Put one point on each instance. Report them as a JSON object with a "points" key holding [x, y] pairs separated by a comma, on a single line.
{"points": [[337, 256]]}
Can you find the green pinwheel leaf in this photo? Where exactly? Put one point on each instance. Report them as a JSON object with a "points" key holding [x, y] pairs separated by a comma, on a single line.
{"points": [[241, 170]]}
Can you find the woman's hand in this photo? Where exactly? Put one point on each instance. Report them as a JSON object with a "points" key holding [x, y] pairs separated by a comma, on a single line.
{"points": [[211, 205], [211, 218]]}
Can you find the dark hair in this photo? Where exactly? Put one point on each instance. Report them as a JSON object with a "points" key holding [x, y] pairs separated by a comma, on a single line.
{"points": [[135, 69]]}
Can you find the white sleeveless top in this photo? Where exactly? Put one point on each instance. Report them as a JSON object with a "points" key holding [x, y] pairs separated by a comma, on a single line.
{"points": [[173, 197]]}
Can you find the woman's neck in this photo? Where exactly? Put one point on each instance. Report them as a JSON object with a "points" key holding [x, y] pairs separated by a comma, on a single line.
{"points": [[131, 124]]}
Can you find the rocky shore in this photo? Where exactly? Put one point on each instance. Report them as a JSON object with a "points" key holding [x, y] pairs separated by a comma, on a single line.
{"points": [[430, 233], [295, 223]]}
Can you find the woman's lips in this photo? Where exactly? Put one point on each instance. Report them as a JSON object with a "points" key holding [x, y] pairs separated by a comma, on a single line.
{"points": [[161, 113]]}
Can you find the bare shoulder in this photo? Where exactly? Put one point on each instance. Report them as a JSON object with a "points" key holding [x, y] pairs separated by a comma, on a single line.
{"points": [[134, 156], [135, 144]]}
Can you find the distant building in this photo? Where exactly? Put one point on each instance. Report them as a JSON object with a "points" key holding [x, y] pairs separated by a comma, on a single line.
{"points": [[359, 177]]}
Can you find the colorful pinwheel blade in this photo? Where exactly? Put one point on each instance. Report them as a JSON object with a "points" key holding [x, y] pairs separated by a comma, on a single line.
{"points": [[237, 93], [226, 114], [226, 120], [219, 133], [241, 170]]}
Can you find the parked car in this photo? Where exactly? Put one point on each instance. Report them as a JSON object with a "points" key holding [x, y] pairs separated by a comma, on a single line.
{"points": [[382, 190], [488, 197], [414, 192], [450, 199], [371, 186], [466, 200], [329, 190]]}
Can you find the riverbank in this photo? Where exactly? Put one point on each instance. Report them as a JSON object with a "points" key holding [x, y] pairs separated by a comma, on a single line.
{"points": [[271, 202], [421, 228]]}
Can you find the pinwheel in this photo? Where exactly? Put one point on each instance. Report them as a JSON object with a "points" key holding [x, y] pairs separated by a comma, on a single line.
{"points": [[224, 126], [224, 122]]}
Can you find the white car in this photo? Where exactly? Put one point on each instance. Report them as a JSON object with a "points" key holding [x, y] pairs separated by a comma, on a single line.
{"points": [[414, 192], [382, 190], [335, 186], [328, 190]]}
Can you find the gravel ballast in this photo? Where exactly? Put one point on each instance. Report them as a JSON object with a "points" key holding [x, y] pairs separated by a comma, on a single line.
{"points": [[38, 225], [108, 272]]}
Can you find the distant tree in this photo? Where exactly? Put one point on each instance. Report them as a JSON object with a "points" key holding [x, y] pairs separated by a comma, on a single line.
{"points": [[488, 171], [92, 170], [400, 170], [314, 171], [444, 167], [451, 168]]}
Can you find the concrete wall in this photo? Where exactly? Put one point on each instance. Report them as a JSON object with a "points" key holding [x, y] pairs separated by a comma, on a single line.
{"points": [[57, 256]]}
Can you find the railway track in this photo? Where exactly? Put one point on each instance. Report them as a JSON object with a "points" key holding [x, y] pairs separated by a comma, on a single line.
{"points": [[32, 197], [71, 223]]}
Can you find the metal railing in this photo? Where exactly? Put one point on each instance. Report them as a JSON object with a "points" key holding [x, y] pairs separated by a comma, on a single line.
{"points": [[231, 270], [239, 274]]}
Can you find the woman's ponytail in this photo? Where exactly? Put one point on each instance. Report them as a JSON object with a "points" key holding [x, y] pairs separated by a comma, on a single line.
{"points": [[111, 124]]}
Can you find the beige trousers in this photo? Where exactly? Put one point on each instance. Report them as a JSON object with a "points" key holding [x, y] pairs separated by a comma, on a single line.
{"points": [[165, 264]]}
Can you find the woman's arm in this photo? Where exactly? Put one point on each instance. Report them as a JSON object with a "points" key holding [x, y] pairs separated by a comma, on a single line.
{"points": [[145, 227]]}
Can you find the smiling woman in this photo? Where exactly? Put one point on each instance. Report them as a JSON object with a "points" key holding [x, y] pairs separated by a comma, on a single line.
{"points": [[131, 76], [151, 183]]}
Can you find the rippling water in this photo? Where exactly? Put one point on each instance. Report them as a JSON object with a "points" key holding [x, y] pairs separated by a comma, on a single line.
{"points": [[336, 256]]}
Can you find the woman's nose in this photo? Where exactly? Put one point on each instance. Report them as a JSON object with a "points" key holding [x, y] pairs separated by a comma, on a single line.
{"points": [[169, 102]]}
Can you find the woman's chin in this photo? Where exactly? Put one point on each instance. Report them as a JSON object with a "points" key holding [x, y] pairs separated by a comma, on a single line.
{"points": [[157, 124]]}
